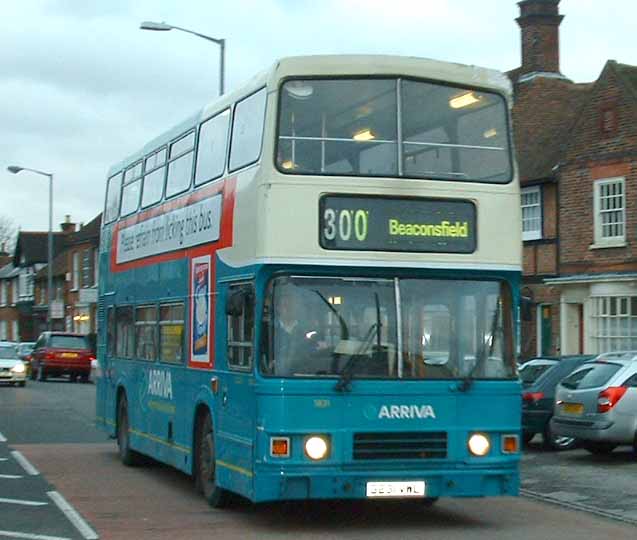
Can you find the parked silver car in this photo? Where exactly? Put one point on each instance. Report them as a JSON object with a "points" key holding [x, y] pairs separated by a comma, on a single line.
{"points": [[597, 403]]}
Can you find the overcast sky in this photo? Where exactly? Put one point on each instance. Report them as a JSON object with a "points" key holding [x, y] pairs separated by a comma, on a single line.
{"points": [[81, 87]]}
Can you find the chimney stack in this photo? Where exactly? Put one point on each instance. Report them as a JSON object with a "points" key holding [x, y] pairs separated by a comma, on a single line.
{"points": [[539, 22], [67, 227]]}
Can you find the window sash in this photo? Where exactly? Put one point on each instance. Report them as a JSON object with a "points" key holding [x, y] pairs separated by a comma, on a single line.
{"points": [[610, 215], [531, 202]]}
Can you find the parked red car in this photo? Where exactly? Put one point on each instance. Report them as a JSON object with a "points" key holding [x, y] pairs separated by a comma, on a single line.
{"points": [[61, 353]]}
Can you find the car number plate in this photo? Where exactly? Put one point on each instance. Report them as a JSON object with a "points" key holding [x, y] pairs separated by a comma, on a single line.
{"points": [[573, 408], [396, 489], [69, 355]]}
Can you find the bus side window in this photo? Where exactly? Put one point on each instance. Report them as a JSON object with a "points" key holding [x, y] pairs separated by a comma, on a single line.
{"points": [[240, 317], [171, 333], [146, 333], [124, 332], [247, 130]]}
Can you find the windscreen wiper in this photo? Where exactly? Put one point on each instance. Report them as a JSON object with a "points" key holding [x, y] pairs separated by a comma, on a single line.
{"points": [[341, 321], [347, 373], [485, 352]]}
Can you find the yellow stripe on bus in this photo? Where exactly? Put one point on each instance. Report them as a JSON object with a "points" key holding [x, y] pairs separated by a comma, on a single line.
{"points": [[234, 468]]}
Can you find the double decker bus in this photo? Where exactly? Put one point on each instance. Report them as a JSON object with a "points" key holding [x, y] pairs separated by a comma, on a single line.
{"points": [[309, 289]]}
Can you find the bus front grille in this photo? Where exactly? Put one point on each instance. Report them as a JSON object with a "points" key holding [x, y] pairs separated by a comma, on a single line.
{"points": [[401, 445]]}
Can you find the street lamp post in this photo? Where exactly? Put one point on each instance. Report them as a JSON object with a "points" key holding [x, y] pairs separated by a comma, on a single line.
{"points": [[163, 27], [49, 267]]}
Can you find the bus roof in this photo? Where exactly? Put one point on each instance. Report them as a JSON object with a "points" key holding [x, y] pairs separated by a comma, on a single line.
{"points": [[333, 65]]}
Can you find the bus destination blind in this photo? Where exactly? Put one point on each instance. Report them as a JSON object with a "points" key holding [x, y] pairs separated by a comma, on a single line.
{"points": [[397, 224]]}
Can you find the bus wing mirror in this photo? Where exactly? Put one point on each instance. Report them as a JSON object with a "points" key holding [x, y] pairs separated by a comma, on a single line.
{"points": [[237, 301]]}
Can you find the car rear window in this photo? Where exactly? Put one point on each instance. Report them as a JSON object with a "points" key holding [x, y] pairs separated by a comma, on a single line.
{"points": [[68, 342], [597, 375], [530, 374]]}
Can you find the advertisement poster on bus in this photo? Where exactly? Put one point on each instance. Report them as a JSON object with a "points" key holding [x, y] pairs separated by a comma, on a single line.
{"points": [[200, 309]]}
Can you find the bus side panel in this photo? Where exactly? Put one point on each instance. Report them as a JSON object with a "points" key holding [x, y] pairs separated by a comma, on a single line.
{"points": [[234, 429]]}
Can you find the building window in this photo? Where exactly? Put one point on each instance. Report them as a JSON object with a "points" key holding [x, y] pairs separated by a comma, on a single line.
{"points": [[608, 120], [240, 310], [15, 335], [4, 290], [96, 266], [3, 330], [76, 271], [610, 217], [615, 323], [14, 291], [531, 213], [86, 268], [171, 333]]}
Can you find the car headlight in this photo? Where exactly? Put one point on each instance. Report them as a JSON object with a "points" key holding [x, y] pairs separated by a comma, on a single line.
{"points": [[479, 444], [317, 447], [18, 368]]}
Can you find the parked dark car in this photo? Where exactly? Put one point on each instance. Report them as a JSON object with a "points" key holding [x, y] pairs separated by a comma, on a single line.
{"points": [[538, 400], [61, 353], [531, 370]]}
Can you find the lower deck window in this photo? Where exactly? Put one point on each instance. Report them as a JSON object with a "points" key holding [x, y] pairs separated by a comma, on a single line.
{"points": [[171, 333]]}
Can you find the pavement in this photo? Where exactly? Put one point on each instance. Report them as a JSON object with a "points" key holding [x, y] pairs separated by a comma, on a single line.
{"points": [[603, 485]]}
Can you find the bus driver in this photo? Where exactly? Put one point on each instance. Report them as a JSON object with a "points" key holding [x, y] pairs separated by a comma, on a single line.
{"points": [[295, 337]]}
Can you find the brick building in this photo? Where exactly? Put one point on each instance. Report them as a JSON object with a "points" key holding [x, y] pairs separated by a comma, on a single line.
{"points": [[577, 154], [75, 273]]}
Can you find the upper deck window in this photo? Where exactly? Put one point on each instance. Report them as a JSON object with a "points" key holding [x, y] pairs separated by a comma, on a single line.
{"points": [[113, 193], [247, 130], [132, 189], [212, 148], [180, 166], [390, 127]]}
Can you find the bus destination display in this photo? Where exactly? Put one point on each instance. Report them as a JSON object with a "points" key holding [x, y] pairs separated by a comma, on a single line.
{"points": [[397, 224]]}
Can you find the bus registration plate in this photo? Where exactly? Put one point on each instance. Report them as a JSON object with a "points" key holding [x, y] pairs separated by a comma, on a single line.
{"points": [[396, 489]]}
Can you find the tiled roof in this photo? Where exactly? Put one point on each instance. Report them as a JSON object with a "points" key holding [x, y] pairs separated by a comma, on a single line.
{"points": [[34, 246], [628, 74], [90, 231], [8, 271], [60, 267], [544, 110]]}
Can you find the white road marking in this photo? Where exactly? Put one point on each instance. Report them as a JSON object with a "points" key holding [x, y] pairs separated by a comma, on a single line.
{"points": [[11, 476], [13, 534], [28, 468], [22, 502], [73, 516], [2, 438]]}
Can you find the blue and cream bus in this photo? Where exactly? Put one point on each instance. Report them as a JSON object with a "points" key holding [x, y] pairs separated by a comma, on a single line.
{"points": [[309, 289]]}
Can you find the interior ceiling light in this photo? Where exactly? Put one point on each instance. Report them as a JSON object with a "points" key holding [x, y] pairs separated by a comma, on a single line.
{"points": [[463, 100], [299, 89], [364, 135], [287, 164]]}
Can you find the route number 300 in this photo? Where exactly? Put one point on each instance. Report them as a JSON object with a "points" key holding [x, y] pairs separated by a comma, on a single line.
{"points": [[345, 225]]}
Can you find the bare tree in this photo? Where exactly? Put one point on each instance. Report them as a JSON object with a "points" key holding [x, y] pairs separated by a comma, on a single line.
{"points": [[7, 233]]}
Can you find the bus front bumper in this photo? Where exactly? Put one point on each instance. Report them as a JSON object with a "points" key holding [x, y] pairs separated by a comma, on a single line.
{"points": [[269, 486]]}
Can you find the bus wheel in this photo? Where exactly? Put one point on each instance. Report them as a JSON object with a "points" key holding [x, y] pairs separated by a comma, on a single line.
{"points": [[205, 466], [127, 456]]}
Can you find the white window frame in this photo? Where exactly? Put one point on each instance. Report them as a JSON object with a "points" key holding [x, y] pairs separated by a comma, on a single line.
{"points": [[76, 271], [14, 331], [618, 240], [614, 323], [535, 234], [4, 289], [14, 291]]}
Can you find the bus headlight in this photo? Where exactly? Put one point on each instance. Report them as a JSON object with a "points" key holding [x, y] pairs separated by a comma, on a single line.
{"points": [[317, 447], [479, 444]]}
